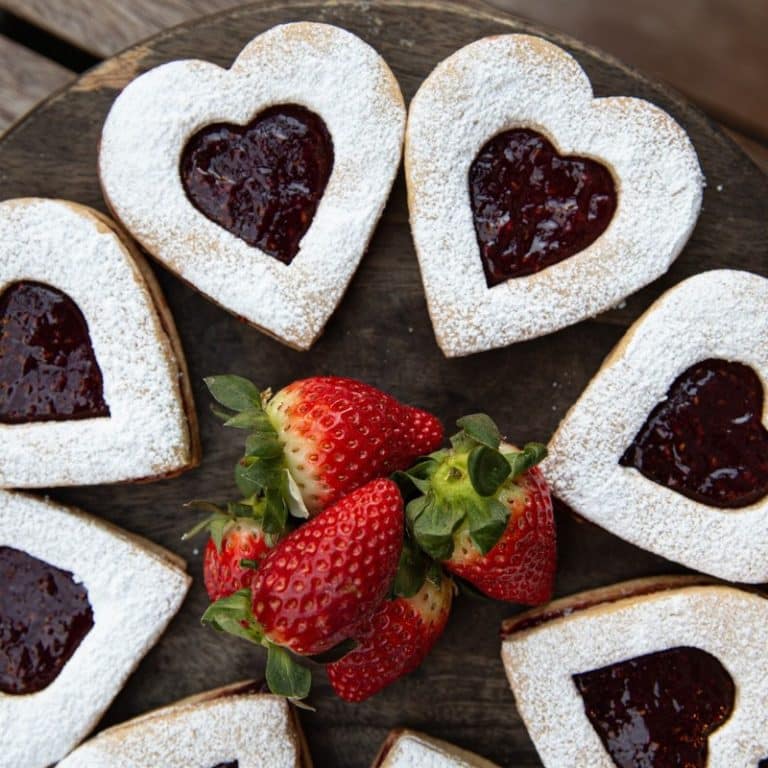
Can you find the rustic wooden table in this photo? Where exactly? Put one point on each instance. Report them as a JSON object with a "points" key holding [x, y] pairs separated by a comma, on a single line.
{"points": [[460, 694], [713, 51]]}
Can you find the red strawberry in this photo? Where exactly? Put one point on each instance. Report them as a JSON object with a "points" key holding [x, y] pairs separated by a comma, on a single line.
{"points": [[392, 642], [520, 567], [486, 513], [313, 589], [223, 570], [331, 434]]}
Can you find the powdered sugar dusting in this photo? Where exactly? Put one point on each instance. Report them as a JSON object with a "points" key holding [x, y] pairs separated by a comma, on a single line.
{"points": [[415, 750], [256, 730], [510, 81], [726, 622], [134, 589], [718, 314], [66, 246], [321, 67]]}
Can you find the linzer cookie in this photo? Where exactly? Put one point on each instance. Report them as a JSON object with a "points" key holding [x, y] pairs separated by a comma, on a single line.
{"points": [[93, 382], [260, 185], [81, 602], [534, 205], [230, 727], [655, 672], [409, 749], [667, 447]]}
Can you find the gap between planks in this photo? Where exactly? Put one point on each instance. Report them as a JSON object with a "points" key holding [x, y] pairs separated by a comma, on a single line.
{"points": [[25, 79]]}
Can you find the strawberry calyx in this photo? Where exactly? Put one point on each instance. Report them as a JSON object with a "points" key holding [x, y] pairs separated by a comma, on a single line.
{"points": [[262, 470], [464, 485], [285, 674], [253, 511]]}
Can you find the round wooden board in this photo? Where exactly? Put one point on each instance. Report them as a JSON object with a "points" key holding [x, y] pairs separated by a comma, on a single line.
{"points": [[381, 334]]}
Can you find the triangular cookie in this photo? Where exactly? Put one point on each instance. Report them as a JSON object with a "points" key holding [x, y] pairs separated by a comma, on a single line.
{"points": [[81, 603], [93, 382]]}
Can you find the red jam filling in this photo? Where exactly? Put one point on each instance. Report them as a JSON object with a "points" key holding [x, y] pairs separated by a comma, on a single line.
{"points": [[44, 616], [533, 207], [47, 367], [262, 181], [706, 440], [657, 711]]}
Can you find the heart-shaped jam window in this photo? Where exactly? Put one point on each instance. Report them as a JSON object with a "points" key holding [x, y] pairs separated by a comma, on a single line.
{"points": [[47, 367], [706, 439], [44, 616], [262, 181], [657, 711], [533, 207]]}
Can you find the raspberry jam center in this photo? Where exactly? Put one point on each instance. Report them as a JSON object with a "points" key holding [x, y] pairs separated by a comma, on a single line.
{"points": [[47, 367], [658, 710], [533, 207], [44, 616], [706, 439], [262, 181]]}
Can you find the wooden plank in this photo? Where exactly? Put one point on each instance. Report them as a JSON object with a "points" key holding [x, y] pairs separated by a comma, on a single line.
{"points": [[25, 79], [715, 51], [757, 150], [104, 27], [380, 333]]}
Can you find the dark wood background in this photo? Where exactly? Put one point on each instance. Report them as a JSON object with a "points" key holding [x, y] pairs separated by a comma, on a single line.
{"points": [[380, 333]]}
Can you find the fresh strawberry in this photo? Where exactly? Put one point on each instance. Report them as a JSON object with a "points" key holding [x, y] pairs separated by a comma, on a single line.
{"points": [[229, 565], [315, 587], [393, 642], [320, 438], [485, 511]]}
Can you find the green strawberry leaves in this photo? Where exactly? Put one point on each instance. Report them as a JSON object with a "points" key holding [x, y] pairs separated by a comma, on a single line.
{"points": [[488, 469], [433, 523], [234, 392], [530, 456], [233, 615], [460, 489], [261, 470], [411, 570], [487, 521], [285, 676], [481, 429]]}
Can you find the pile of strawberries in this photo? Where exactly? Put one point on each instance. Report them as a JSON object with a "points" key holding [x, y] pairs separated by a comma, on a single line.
{"points": [[350, 519]]}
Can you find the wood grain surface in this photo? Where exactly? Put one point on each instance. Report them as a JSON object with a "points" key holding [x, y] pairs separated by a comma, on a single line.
{"points": [[715, 51], [25, 79], [380, 333]]}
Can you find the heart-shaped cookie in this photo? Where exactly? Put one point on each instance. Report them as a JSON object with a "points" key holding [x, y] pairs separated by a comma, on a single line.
{"points": [[654, 672], [666, 447], [260, 185], [93, 382], [81, 603], [534, 205]]}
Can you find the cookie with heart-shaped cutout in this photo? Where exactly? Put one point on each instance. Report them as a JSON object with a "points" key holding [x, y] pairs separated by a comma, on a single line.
{"points": [[93, 381], [230, 727], [411, 749], [81, 602], [653, 672], [260, 185], [667, 447], [534, 205]]}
